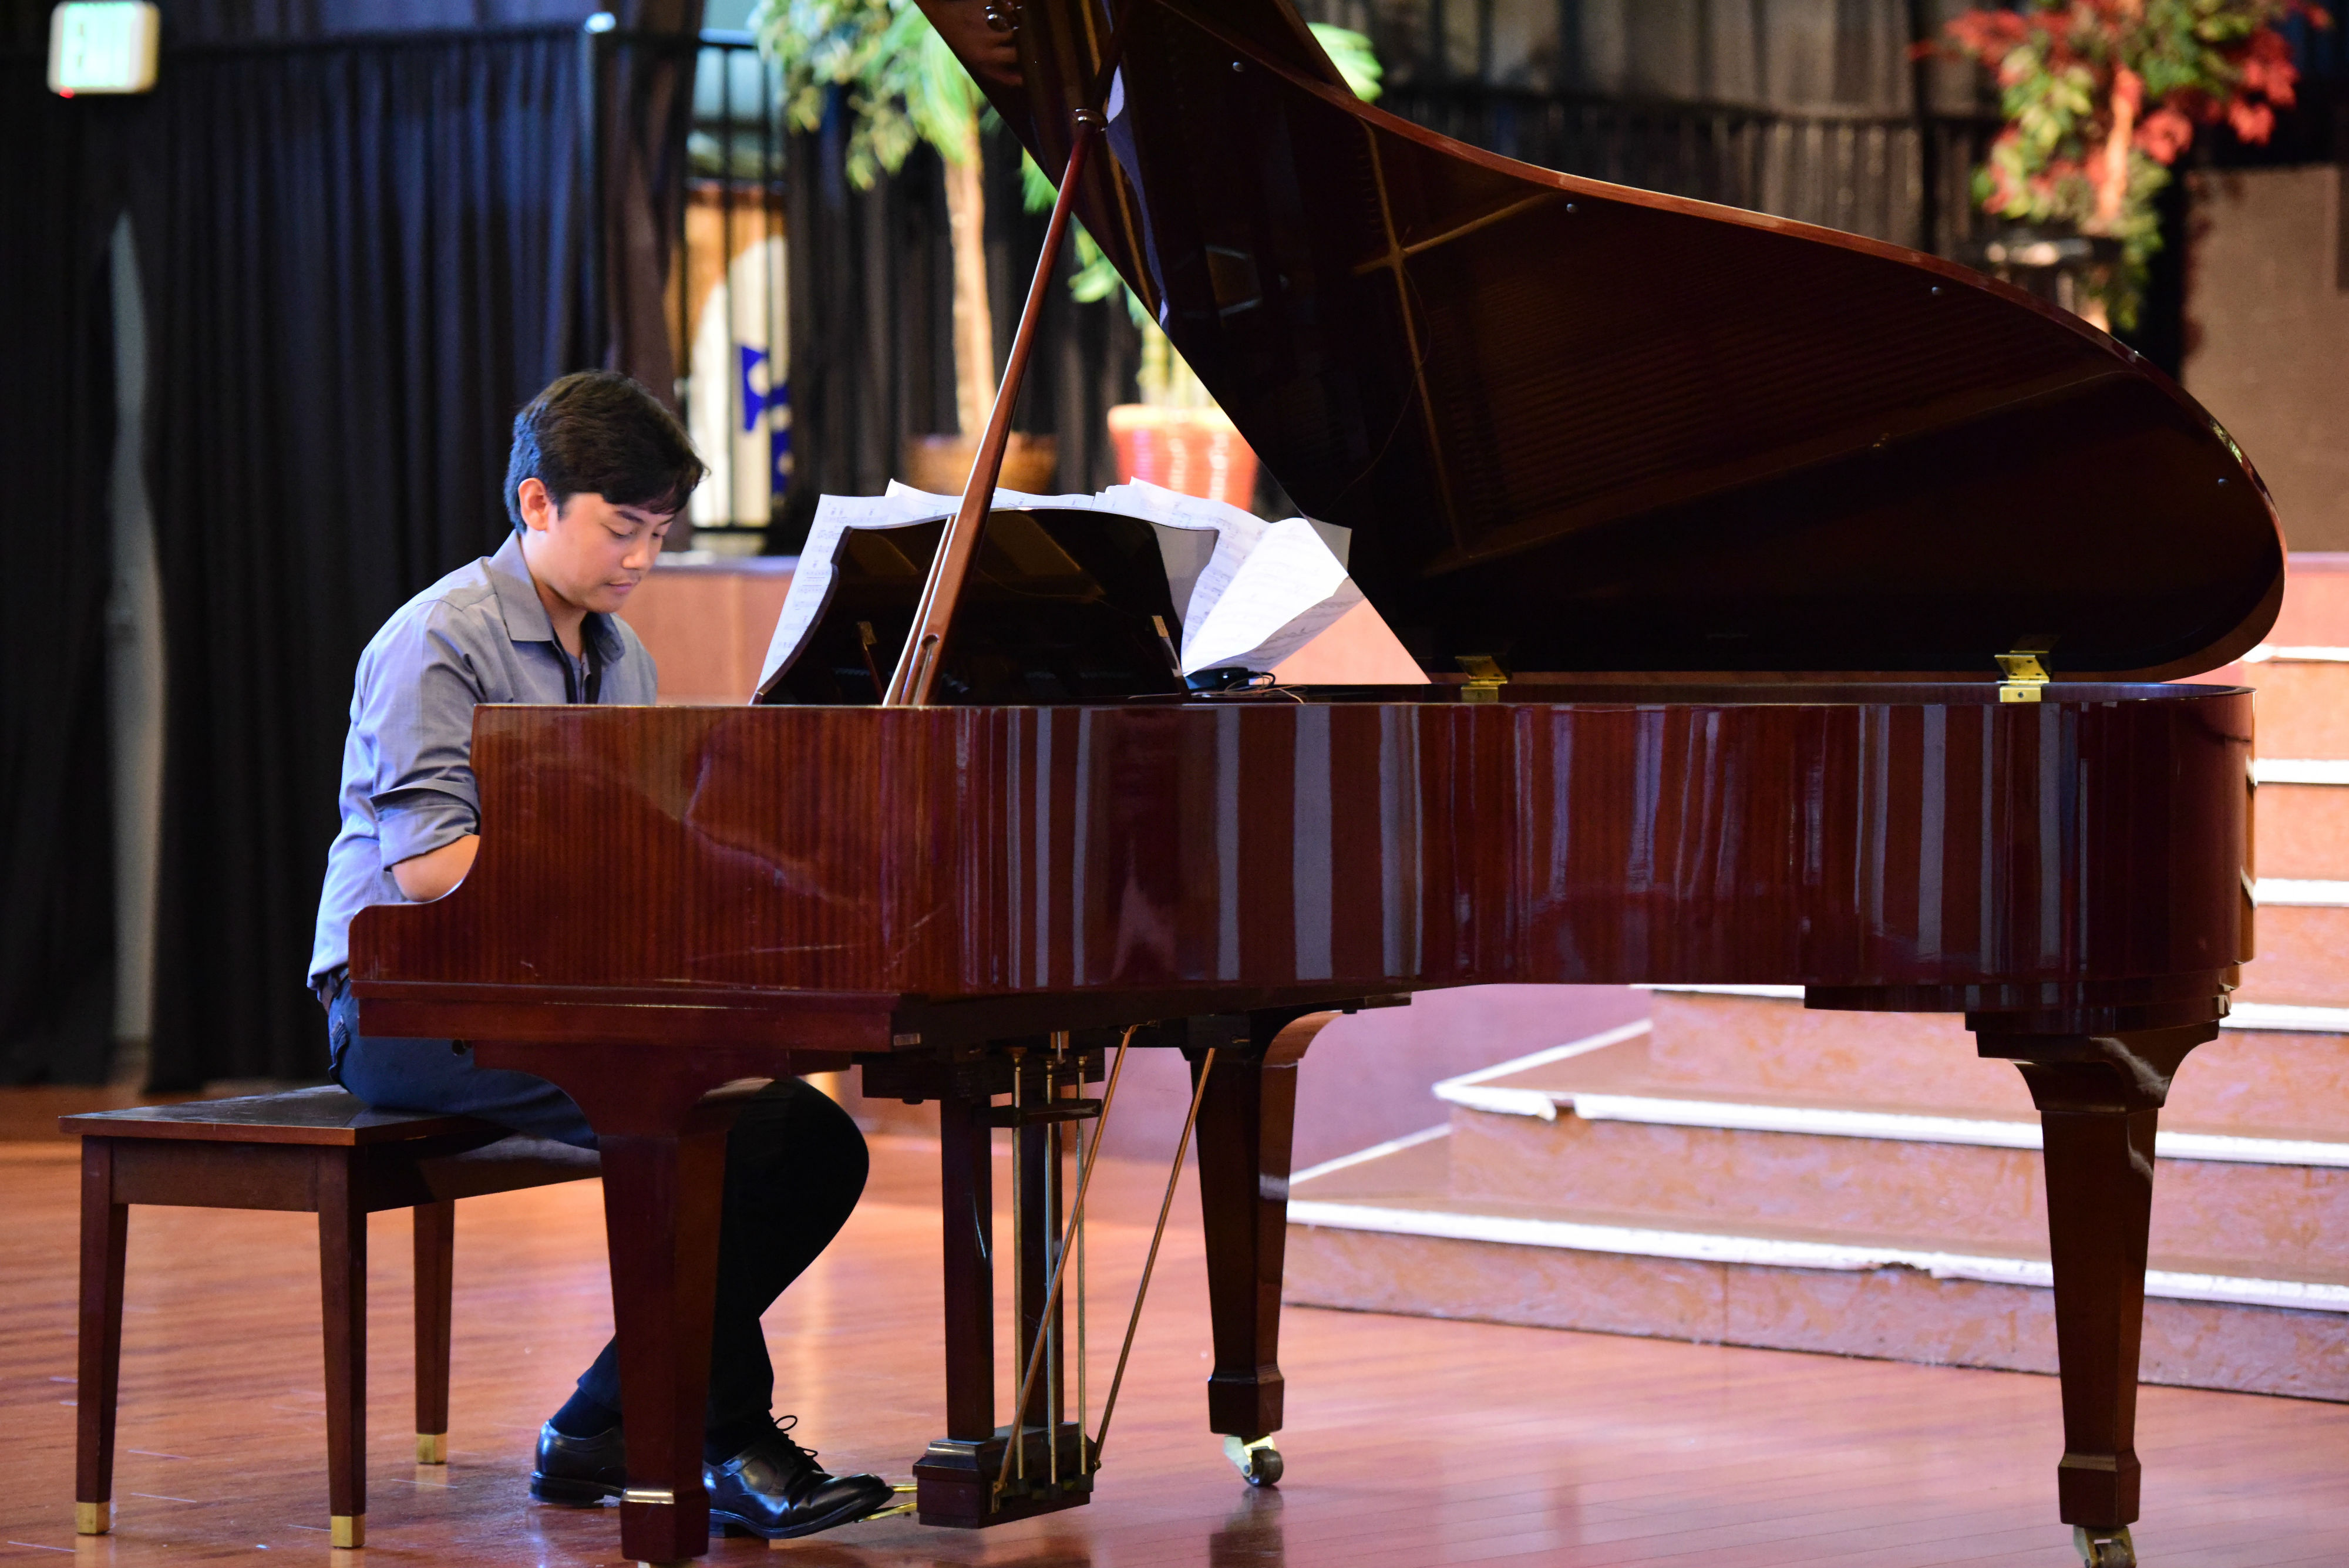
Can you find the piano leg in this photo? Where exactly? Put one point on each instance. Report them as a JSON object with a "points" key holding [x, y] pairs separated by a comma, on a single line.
{"points": [[664, 1154], [1246, 1122], [2098, 1098]]}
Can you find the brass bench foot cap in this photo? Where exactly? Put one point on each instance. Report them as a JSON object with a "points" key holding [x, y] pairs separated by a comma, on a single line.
{"points": [[432, 1447], [93, 1518], [348, 1530]]}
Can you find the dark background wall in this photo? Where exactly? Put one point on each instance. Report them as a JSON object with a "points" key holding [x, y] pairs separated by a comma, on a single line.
{"points": [[364, 236], [56, 437]]}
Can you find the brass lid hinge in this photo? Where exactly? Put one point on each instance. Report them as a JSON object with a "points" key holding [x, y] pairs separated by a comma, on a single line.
{"points": [[2025, 670], [1485, 677]]}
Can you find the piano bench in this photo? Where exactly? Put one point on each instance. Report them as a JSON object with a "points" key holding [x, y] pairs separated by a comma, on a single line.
{"points": [[311, 1151]]}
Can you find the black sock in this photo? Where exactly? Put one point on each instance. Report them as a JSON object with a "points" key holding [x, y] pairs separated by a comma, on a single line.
{"points": [[584, 1418], [719, 1444]]}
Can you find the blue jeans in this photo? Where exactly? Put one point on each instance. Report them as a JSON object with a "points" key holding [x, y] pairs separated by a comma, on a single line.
{"points": [[795, 1165]]}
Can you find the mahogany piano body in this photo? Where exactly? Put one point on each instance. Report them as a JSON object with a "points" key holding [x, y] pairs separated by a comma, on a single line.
{"points": [[834, 878], [1747, 511], [670, 898]]}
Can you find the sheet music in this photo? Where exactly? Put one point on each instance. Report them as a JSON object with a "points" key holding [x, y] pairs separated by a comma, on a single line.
{"points": [[1284, 581], [1279, 571], [1236, 534], [811, 581], [1189, 530], [938, 505], [1287, 590]]}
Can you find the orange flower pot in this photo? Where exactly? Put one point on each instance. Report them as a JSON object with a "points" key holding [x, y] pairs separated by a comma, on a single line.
{"points": [[941, 463], [1195, 451]]}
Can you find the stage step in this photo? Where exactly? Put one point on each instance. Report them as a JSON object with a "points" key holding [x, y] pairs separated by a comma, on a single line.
{"points": [[1743, 1170], [1387, 1236], [2274, 1071], [2303, 945], [2303, 817], [1597, 1135]]}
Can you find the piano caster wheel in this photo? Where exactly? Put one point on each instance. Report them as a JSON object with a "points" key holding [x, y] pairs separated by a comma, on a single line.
{"points": [[1258, 1462], [2105, 1548]]}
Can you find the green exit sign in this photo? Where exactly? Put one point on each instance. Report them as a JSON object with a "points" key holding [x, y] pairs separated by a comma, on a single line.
{"points": [[102, 47]]}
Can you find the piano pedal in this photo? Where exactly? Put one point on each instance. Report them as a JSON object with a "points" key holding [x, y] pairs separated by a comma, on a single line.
{"points": [[1258, 1462], [2098, 1547]]}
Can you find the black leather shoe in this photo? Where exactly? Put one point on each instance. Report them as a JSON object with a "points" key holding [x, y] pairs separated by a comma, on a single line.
{"points": [[773, 1489], [579, 1472]]}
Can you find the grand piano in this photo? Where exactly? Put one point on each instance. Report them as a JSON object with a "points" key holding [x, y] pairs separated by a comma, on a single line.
{"points": [[1794, 609]]}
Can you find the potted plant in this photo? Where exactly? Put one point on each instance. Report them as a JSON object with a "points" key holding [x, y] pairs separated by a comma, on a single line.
{"points": [[901, 86], [2100, 97], [1175, 436]]}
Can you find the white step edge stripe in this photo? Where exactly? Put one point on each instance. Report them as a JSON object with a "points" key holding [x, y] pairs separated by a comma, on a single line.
{"points": [[2300, 892], [2300, 771], [2266, 651], [1820, 1121], [2269, 1017], [1376, 1151], [2282, 1018], [1784, 993], [1572, 1048], [1770, 1252]]}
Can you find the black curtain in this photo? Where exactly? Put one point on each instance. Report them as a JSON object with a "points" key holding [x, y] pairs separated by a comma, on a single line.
{"points": [[360, 258], [645, 83], [56, 437], [872, 325]]}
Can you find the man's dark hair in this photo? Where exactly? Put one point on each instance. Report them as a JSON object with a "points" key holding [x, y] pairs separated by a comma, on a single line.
{"points": [[597, 432]]}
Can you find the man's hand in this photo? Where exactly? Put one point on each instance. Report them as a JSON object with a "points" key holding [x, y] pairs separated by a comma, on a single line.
{"points": [[436, 873]]}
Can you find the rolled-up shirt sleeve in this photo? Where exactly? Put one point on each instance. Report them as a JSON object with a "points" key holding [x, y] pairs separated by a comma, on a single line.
{"points": [[419, 707]]}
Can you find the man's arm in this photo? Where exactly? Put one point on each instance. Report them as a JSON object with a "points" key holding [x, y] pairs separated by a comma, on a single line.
{"points": [[436, 873], [417, 705]]}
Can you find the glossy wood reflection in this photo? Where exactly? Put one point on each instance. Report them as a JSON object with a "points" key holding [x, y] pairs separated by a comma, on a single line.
{"points": [[1923, 841]]}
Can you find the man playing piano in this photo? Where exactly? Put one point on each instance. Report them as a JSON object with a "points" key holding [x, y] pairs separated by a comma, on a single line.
{"points": [[599, 470]]}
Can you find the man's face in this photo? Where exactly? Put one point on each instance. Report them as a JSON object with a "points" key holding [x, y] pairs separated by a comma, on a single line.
{"points": [[588, 552]]}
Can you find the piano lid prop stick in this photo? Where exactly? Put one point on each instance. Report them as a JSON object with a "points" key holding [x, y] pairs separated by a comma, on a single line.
{"points": [[915, 678], [1198, 1092], [1052, 1289]]}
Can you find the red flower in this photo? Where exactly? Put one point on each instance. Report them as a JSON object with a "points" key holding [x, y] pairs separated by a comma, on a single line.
{"points": [[2252, 121], [2165, 134], [2267, 68]]}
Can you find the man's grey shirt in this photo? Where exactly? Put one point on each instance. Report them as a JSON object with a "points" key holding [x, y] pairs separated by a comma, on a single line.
{"points": [[478, 635]]}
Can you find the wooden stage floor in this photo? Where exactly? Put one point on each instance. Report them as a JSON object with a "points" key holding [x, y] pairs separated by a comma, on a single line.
{"points": [[1409, 1442]]}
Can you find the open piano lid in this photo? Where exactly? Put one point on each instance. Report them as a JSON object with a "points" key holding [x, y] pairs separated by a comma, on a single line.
{"points": [[1585, 427]]}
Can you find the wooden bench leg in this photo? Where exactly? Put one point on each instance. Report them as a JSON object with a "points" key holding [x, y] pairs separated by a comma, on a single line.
{"points": [[342, 1277], [436, 1244], [104, 1229]]}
